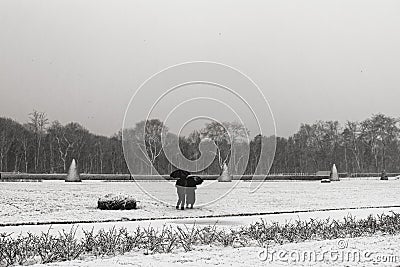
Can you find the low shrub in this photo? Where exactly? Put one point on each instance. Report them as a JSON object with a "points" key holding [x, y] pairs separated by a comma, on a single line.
{"points": [[116, 202]]}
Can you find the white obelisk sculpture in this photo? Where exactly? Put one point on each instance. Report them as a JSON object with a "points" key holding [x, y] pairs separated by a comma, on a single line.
{"points": [[334, 175], [225, 176], [73, 175]]}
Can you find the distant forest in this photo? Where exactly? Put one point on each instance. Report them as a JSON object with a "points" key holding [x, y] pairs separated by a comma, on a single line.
{"points": [[41, 146]]}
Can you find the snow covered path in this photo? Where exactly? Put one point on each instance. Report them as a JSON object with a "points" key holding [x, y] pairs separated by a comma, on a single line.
{"points": [[229, 222]]}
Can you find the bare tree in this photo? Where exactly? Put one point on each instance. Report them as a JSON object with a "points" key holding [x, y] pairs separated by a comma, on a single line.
{"points": [[7, 137], [146, 141], [225, 136], [62, 143], [38, 122], [377, 133], [351, 136]]}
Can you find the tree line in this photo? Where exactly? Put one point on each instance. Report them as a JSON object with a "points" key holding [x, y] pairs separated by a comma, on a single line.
{"points": [[41, 146], [371, 145]]}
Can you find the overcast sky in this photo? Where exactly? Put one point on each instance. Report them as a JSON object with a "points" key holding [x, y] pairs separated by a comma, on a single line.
{"points": [[313, 60]]}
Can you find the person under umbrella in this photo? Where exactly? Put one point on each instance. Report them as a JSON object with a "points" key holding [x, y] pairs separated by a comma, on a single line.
{"points": [[180, 185], [191, 186]]}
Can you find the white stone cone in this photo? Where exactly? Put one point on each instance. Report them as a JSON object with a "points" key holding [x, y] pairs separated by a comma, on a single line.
{"points": [[73, 175], [335, 175], [225, 176]]}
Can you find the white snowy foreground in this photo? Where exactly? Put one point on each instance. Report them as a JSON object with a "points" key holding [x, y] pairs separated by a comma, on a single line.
{"points": [[363, 251], [377, 250]]}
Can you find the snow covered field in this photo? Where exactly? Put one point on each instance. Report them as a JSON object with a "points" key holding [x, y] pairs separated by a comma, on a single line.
{"points": [[56, 201], [51, 201]]}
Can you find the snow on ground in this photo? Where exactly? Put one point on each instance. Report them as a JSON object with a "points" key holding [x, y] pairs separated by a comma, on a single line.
{"points": [[227, 222], [363, 251], [50, 201], [58, 201]]}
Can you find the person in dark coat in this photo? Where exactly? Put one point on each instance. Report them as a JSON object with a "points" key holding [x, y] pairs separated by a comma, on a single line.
{"points": [[191, 186], [180, 186]]}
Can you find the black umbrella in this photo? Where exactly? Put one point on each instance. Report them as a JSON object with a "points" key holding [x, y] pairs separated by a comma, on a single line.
{"points": [[179, 174], [192, 181]]}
